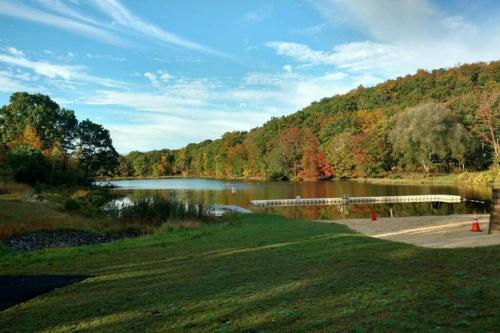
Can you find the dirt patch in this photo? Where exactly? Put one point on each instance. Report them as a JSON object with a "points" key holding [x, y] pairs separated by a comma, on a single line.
{"points": [[451, 231], [16, 289]]}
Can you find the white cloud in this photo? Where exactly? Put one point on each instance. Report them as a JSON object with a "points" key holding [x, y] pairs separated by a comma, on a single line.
{"points": [[158, 132], [257, 16], [71, 74], [40, 67], [387, 20], [16, 52], [197, 109], [408, 35], [158, 78], [104, 56], [36, 15], [354, 56], [288, 68], [205, 108], [12, 82]]}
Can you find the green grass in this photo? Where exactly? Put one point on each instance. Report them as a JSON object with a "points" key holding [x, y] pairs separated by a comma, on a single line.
{"points": [[260, 273]]}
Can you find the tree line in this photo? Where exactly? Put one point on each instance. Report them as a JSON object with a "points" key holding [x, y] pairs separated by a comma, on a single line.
{"points": [[42, 142], [442, 121]]}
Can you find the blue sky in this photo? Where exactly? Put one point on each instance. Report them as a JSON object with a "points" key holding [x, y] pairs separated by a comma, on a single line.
{"points": [[162, 74]]}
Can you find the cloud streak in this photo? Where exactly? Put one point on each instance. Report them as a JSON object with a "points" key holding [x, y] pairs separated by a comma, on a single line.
{"points": [[35, 15], [123, 22], [72, 74], [127, 20]]}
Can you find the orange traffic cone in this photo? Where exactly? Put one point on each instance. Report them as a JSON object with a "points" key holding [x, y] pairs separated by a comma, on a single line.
{"points": [[475, 225], [374, 216]]}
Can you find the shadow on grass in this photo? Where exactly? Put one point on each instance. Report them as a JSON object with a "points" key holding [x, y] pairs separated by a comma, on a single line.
{"points": [[16, 289]]}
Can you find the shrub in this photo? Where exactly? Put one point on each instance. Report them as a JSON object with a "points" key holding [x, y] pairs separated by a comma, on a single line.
{"points": [[71, 205], [29, 164], [38, 188], [89, 202]]}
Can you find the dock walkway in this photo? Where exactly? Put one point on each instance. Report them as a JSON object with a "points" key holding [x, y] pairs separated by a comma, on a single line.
{"points": [[357, 200]]}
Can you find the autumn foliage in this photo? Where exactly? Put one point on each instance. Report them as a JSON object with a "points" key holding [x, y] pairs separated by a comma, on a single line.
{"points": [[368, 132]]}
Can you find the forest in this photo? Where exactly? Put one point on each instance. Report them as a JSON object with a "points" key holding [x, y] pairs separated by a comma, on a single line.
{"points": [[437, 122], [40, 142]]}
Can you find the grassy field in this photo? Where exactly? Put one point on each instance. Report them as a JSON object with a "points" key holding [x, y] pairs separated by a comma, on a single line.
{"points": [[260, 273]]}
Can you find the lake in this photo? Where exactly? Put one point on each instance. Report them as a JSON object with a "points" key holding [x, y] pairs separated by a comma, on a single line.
{"points": [[214, 191]]}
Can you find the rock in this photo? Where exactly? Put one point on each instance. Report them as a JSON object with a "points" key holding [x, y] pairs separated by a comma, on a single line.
{"points": [[41, 240]]}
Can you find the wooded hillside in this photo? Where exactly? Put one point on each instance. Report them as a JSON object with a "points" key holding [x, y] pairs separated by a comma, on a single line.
{"points": [[439, 121]]}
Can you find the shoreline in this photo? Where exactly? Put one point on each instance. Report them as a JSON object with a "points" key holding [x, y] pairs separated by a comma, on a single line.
{"points": [[409, 179]]}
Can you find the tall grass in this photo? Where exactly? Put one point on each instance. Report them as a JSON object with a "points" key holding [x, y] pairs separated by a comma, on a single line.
{"points": [[158, 209]]}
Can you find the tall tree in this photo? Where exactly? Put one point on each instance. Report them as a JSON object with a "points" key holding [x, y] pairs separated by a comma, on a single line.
{"points": [[310, 169], [291, 150], [50, 122], [426, 134], [95, 149], [340, 154], [488, 116]]}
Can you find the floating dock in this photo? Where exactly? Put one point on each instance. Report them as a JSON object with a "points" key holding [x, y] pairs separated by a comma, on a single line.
{"points": [[219, 210], [357, 200]]}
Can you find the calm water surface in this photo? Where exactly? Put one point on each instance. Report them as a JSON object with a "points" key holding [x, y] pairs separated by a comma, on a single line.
{"points": [[214, 191]]}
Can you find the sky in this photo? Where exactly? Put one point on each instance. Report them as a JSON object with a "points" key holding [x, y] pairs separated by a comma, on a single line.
{"points": [[162, 74]]}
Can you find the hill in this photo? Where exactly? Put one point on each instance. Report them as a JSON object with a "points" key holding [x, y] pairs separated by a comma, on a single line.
{"points": [[442, 121]]}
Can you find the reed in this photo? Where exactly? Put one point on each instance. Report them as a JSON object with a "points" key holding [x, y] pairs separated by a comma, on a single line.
{"points": [[159, 209]]}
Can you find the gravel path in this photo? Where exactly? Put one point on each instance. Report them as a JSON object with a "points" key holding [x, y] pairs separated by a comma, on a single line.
{"points": [[427, 231]]}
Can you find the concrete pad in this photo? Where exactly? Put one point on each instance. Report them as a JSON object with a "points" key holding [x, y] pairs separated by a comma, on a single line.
{"points": [[452, 231]]}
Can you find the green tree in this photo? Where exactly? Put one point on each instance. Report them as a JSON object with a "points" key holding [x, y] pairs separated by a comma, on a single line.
{"points": [[339, 151], [124, 168], [427, 134], [51, 123], [95, 149]]}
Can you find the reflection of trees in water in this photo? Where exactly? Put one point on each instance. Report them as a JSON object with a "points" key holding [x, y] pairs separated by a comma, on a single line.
{"points": [[364, 211], [281, 190]]}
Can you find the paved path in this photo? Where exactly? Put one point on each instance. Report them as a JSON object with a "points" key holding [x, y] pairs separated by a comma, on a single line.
{"points": [[427, 231]]}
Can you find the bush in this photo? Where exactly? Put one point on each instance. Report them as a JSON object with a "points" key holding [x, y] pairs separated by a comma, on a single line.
{"points": [[276, 176], [29, 165], [89, 202], [489, 177], [71, 205], [38, 188]]}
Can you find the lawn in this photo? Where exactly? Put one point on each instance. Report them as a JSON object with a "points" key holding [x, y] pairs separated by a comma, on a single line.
{"points": [[260, 273]]}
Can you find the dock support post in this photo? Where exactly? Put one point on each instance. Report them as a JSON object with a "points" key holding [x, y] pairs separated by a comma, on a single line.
{"points": [[494, 226]]}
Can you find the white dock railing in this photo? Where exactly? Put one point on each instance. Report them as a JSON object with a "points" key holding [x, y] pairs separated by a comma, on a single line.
{"points": [[357, 200]]}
